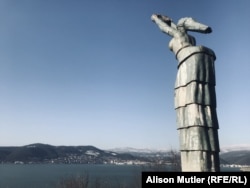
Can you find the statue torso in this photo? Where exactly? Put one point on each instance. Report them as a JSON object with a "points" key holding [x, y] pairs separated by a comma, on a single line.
{"points": [[180, 41]]}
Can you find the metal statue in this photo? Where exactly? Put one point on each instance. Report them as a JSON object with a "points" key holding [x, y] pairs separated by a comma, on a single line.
{"points": [[195, 98]]}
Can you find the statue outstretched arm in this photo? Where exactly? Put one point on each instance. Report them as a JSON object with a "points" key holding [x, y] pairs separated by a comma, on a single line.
{"points": [[165, 24], [189, 24]]}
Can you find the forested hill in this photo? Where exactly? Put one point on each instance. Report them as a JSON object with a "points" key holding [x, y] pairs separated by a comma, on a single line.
{"points": [[240, 157], [42, 153]]}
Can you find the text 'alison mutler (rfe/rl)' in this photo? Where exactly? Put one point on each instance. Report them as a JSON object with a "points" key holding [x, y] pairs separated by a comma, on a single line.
{"points": [[207, 179]]}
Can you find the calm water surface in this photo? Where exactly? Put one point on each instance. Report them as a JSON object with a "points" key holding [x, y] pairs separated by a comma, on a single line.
{"points": [[48, 175]]}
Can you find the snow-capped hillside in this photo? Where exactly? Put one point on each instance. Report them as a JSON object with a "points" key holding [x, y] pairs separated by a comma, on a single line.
{"points": [[242, 147]]}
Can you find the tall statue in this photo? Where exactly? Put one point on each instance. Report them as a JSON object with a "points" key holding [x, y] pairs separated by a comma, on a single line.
{"points": [[195, 98]]}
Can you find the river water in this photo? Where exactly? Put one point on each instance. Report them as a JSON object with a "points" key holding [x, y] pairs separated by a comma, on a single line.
{"points": [[49, 175]]}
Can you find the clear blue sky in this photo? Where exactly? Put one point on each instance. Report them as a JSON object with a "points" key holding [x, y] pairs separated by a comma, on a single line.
{"points": [[94, 72]]}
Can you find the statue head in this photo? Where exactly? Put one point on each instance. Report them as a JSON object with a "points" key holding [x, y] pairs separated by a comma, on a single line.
{"points": [[165, 19]]}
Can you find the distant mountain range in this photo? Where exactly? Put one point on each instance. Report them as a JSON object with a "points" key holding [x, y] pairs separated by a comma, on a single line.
{"points": [[224, 149], [236, 154], [43, 153], [135, 150], [242, 147]]}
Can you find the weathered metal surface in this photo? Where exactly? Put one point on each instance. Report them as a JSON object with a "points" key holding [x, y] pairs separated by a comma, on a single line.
{"points": [[200, 161], [196, 115], [195, 96]]}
